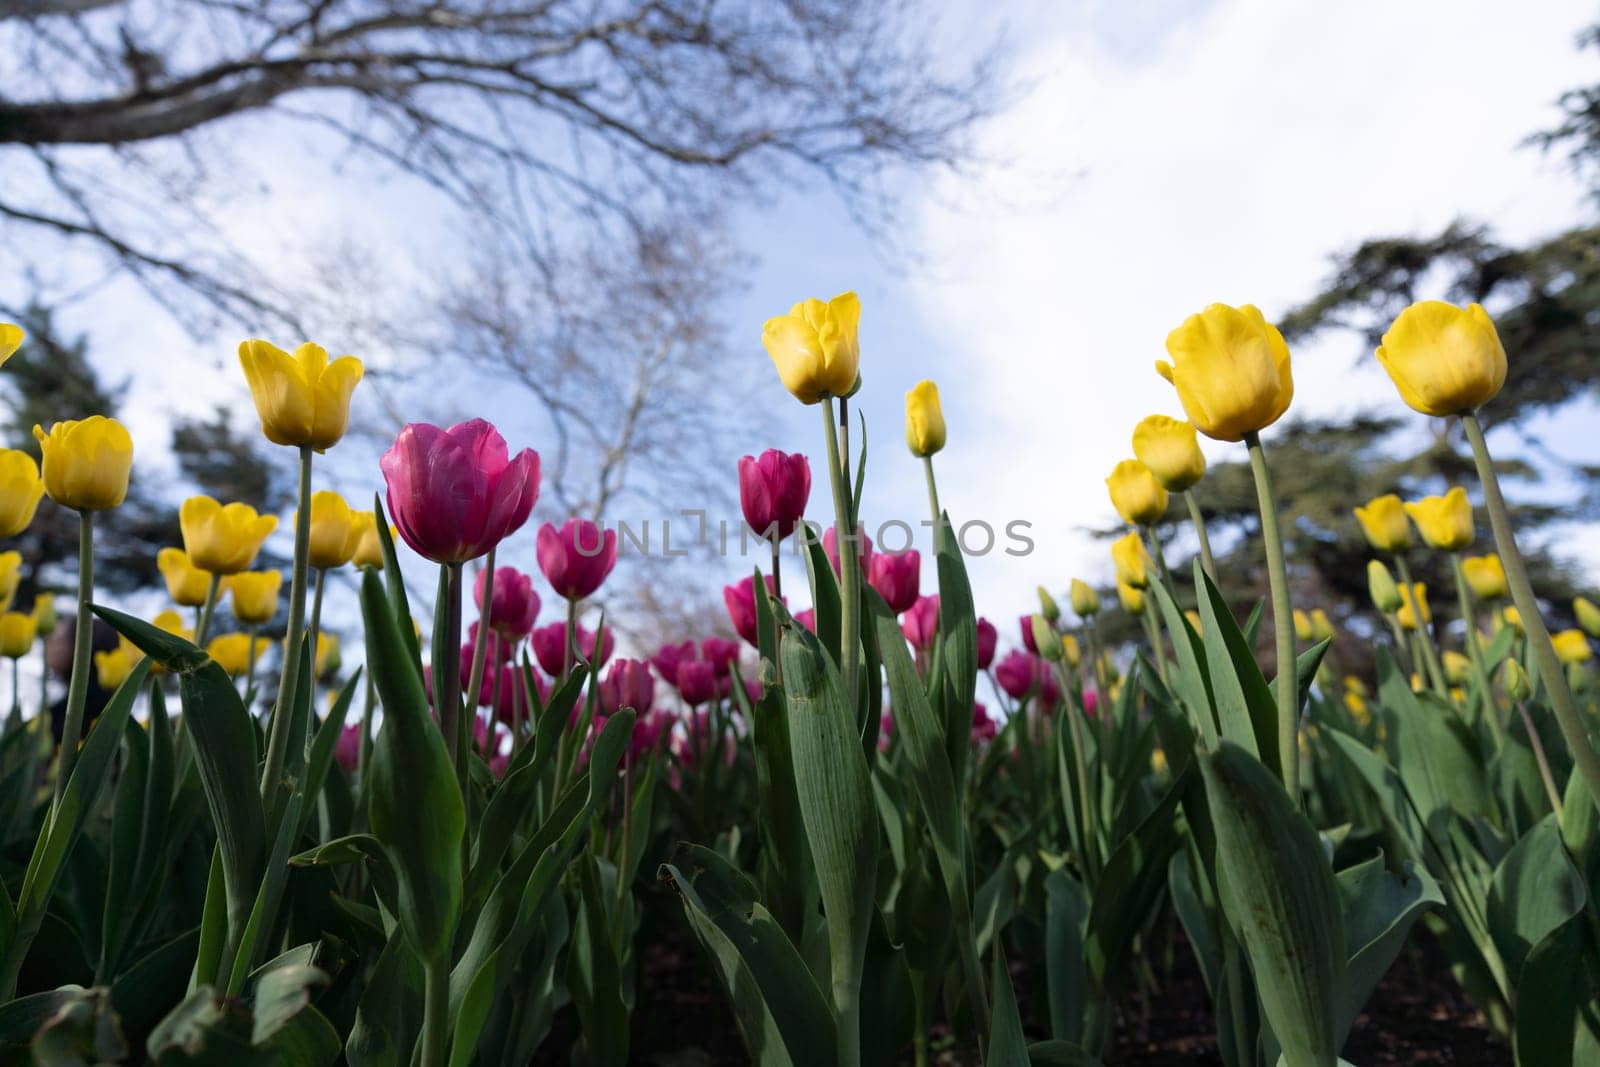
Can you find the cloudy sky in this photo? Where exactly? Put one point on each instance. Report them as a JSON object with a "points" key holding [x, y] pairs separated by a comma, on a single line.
{"points": [[1160, 157]]}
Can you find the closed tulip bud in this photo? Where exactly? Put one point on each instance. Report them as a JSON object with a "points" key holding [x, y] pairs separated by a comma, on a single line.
{"points": [[1443, 359], [513, 605], [863, 543], [1485, 576], [897, 576], [44, 613], [1352, 684], [1171, 449], [773, 491], [327, 660], [1136, 494], [1302, 625], [1456, 667], [577, 557], [1383, 521], [988, 637], [335, 533], [231, 652], [1512, 618], [1380, 583], [1070, 650], [1132, 598], [454, 494], [167, 621], [1588, 615], [1085, 601], [1445, 522], [1458, 695], [1571, 646], [1047, 604], [1231, 369], [112, 668], [1516, 681], [86, 462], [1197, 622], [255, 595], [921, 624], [17, 634], [10, 577], [369, 546], [1321, 625], [1045, 639], [1356, 703], [223, 539], [815, 347], [740, 600], [924, 420], [302, 399], [20, 490], [628, 684], [187, 584], [11, 338], [1408, 614], [1132, 561]]}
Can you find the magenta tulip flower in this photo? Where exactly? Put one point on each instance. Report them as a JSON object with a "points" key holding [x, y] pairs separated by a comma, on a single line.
{"points": [[1025, 623], [987, 636], [510, 696], [454, 494], [897, 578], [577, 557], [830, 546], [347, 750], [550, 647], [721, 653], [1019, 673], [697, 682], [668, 657], [921, 624], [984, 728], [513, 605], [773, 491], [741, 601], [628, 684], [807, 618]]}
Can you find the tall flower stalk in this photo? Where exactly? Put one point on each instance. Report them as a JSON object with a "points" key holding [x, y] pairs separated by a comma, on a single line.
{"points": [[1288, 683], [849, 561], [82, 651], [282, 718]]}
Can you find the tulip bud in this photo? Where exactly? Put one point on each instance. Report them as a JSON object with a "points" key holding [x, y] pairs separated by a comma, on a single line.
{"points": [[1571, 646], [897, 576], [773, 491], [1512, 618], [1485, 576], [302, 399], [1136, 494], [17, 634], [369, 546], [1321, 625], [11, 338], [1132, 598], [20, 490], [1085, 601], [1416, 604], [231, 652], [1132, 561], [454, 494], [1070, 650], [223, 539], [187, 584], [1047, 605], [921, 624], [44, 613], [1516, 681], [1456, 667], [255, 595], [112, 668], [1231, 369], [1383, 521], [10, 577], [1380, 583], [815, 347], [924, 420], [86, 462], [335, 533], [1197, 622], [1302, 626], [1588, 615], [1445, 522], [577, 557], [1171, 449], [1444, 360], [1045, 639]]}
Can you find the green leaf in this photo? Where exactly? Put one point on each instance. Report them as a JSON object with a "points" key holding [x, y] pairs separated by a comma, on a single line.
{"points": [[1008, 1047], [1281, 899], [1130, 888], [824, 593], [1534, 891], [1245, 707], [1191, 684], [395, 584], [1379, 908], [594, 973], [1066, 970], [958, 646], [1435, 755]]}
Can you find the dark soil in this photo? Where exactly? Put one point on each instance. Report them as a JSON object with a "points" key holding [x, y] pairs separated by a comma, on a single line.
{"points": [[1418, 1015]]}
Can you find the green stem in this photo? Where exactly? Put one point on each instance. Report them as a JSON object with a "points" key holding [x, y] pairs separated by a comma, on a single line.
{"points": [[44, 677], [1544, 653], [1430, 654], [435, 1012], [1282, 620], [933, 494], [283, 707], [480, 644], [1152, 633], [250, 669], [447, 662], [849, 563], [16, 691], [1491, 707], [1207, 563], [316, 615], [1087, 791], [82, 655], [202, 628], [1542, 760]]}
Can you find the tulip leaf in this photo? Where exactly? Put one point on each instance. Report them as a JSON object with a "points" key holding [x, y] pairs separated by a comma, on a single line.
{"points": [[792, 888], [395, 582], [958, 645], [1246, 711], [140, 825], [1192, 683], [1379, 908], [1129, 888], [1008, 1046], [594, 974], [173, 652], [825, 596], [1066, 972], [1436, 756]]}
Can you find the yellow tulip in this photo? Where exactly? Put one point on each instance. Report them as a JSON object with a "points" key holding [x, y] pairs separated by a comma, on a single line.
{"points": [[44, 613], [1588, 615], [1045, 638], [223, 539], [1132, 598], [1231, 369], [187, 584], [815, 347], [1443, 359], [1131, 560], [255, 595], [924, 419], [1512, 618], [327, 657], [1321, 625], [334, 530], [1485, 576], [1445, 522], [302, 399], [10, 577], [231, 652], [1085, 601], [18, 631], [1416, 603], [172, 623], [1171, 449], [1380, 583], [20, 490], [1070, 650], [1195, 621], [86, 462], [113, 667], [1302, 625], [369, 548], [1357, 704], [11, 338], [1458, 695], [1456, 667], [1383, 520], [1136, 494], [1353, 684], [1572, 646], [1516, 681]]}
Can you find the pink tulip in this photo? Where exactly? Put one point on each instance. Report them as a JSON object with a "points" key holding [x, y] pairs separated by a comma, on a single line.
{"points": [[628, 684], [513, 603], [807, 618], [721, 653], [347, 750], [1026, 625], [921, 624], [987, 636], [773, 491], [830, 546], [1020, 673], [550, 647], [897, 577], [668, 657], [983, 727], [577, 557], [696, 739], [741, 601], [697, 682], [454, 494], [1091, 702], [648, 730], [510, 697]]}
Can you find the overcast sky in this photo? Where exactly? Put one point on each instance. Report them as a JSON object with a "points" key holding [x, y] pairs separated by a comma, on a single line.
{"points": [[1163, 156]]}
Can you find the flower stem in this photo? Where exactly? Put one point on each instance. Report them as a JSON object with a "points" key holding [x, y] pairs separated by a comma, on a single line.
{"points": [[849, 562], [1480, 672], [283, 707], [933, 495], [480, 644], [316, 615], [1544, 653], [1207, 563], [250, 659], [1542, 760], [435, 1007], [1430, 654], [1282, 620], [82, 653], [203, 628], [447, 662]]}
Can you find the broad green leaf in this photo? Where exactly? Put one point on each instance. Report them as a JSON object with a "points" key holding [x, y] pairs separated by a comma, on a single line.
{"points": [[1008, 1047], [1191, 684], [594, 973], [1066, 970], [958, 647], [395, 584], [1534, 891], [1379, 909], [1129, 889], [1246, 711]]}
